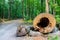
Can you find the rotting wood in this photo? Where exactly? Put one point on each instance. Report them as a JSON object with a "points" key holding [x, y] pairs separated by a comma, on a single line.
{"points": [[44, 22]]}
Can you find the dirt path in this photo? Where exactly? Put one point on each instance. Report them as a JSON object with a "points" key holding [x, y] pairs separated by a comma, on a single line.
{"points": [[8, 32]]}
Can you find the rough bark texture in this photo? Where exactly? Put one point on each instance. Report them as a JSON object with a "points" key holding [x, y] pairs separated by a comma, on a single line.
{"points": [[47, 8], [44, 22]]}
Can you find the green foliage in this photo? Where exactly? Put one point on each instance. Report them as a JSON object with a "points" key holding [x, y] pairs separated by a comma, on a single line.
{"points": [[54, 38], [57, 18], [27, 9], [29, 21]]}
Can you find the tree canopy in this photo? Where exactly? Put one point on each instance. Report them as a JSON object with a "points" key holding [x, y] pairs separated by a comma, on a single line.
{"points": [[27, 9]]}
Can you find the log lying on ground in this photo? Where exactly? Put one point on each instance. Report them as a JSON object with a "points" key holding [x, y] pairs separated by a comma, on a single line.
{"points": [[44, 22]]}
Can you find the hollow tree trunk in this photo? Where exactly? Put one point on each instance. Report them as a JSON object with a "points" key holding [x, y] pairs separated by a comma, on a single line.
{"points": [[44, 22]]}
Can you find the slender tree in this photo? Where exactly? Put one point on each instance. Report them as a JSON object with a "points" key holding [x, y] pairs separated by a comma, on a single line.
{"points": [[9, 9], [3, 8], [22, 8], [53, 8], [47, 7]]}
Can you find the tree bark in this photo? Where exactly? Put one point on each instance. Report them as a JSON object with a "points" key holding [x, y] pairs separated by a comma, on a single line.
{"points": [[9, 9], [23, 8], [47, 8], [3, 8], [53, 8]]}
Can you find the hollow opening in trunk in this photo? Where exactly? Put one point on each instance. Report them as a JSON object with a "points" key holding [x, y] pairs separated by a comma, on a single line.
{"points": [[44, 22]]}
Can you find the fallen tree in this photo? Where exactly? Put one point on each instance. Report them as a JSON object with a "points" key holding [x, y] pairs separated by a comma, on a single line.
{"points": [[44, 22]]}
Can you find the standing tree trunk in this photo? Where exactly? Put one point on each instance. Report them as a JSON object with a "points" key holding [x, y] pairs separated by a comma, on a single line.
{"points": [[41, 6], [47, 8], [3, 8], [16, 10], [9, 9], [53, 8], [23, 8], [27, 8], [2, 13]]}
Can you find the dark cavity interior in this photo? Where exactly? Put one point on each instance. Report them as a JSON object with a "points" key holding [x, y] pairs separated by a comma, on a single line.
{"points": [[44, 22]]}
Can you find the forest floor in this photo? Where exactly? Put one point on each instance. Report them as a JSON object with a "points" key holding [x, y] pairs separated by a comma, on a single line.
{"points": [[8, 32]]}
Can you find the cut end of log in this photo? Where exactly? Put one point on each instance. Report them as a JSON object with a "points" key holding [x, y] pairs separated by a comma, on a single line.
{"points": [[44, 22]]}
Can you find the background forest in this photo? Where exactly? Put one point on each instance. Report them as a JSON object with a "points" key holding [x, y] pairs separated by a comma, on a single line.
{"points": [[28, 9]]}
